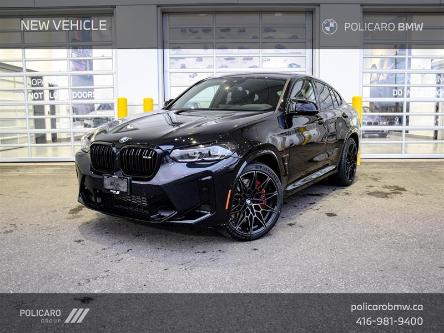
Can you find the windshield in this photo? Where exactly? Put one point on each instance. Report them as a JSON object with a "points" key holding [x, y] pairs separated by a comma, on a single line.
{"points": [[232, 93]]}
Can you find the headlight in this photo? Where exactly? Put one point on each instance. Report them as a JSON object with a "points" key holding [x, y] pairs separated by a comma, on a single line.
{"points": [[85, 143], [214, 152]]}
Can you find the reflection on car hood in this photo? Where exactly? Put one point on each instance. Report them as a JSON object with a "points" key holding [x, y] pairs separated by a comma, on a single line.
{"points": [[177, 128]]}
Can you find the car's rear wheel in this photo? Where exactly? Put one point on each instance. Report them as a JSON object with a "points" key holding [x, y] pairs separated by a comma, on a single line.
{"points": [[256, 203], [347, 165]]}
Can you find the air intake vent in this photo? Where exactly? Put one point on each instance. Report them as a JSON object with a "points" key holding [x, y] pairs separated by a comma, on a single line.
{"points": [[139, 161], [102, 157]]}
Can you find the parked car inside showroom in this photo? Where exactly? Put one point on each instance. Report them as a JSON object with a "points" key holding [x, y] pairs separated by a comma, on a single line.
{"points": [[377, 120], [224, 153]]}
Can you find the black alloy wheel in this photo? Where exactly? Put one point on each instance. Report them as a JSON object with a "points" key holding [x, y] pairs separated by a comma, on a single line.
{"points": [[347, 165], [256, 203], [351, 162]]}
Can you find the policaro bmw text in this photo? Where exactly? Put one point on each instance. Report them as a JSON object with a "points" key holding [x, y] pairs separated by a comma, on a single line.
{"points": [[224, 153]]}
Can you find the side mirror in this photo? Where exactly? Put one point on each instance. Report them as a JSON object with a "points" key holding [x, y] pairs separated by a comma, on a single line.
{"points": [[167, 102], [302, 106]]}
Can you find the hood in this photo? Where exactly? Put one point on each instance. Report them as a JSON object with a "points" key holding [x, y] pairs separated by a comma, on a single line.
{"points": [[177, 128]]}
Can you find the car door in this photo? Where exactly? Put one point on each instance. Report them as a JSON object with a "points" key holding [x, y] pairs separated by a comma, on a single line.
{"points": [[344, 113], [330, 112], [307, 133]]}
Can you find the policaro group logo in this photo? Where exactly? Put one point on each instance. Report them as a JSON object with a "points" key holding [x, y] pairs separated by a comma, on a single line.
{"points": [[55, 316]]}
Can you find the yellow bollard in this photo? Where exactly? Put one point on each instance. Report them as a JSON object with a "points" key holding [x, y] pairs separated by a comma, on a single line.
{"points": [[122, 107], [148, 104], [357, 105]]}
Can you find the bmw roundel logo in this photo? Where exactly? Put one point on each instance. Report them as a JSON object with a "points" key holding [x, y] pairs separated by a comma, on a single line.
{"points": [[124, 139], [329, 26]]}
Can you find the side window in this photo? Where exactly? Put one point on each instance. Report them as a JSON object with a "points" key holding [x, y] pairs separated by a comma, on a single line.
{"points": [[303, 89], [325, 98], [337, 97]]}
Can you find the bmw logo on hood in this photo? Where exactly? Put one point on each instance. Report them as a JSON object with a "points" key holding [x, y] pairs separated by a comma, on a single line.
{"points": [[124, 139]]}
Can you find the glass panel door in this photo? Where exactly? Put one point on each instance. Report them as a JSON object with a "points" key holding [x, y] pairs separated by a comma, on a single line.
{"points": [[403, 91], [50, 97], [199, 45]]}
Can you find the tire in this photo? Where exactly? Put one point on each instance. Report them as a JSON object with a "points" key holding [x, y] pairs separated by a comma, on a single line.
{"points": [[256, 203], [347, 164]]}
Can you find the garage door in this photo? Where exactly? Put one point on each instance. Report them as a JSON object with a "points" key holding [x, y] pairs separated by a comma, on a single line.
{"points": [[403, 90], [51, 96], [200, 45]]}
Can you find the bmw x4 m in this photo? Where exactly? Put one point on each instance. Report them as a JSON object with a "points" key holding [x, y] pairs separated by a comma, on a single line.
{"points": [[224, 153]]}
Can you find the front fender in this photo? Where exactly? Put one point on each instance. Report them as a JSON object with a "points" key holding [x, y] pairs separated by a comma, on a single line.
{"points": [[266, 153]]}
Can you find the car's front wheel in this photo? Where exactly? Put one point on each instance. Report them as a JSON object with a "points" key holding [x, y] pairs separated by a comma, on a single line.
{"points": [[347, 165], [256, 202]]}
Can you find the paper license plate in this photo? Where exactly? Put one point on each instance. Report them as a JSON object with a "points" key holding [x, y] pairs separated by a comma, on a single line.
{"points": [[116, 184]]}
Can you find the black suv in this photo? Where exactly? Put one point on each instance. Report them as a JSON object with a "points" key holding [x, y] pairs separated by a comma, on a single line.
{"points": [[224, 153]]}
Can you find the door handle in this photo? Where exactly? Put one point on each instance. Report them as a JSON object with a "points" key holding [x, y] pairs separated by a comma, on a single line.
{"points": [[344, 115]]}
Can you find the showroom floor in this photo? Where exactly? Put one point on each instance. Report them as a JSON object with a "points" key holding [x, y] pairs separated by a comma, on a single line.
{"points": [[383, 234]]}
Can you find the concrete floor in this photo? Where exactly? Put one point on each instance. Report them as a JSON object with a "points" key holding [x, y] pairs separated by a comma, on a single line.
{"points": [[385, 233]]}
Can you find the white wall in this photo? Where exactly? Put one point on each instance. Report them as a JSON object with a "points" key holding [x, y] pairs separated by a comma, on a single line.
{"points": [[137, 76], [342, 69], [138, 73]]}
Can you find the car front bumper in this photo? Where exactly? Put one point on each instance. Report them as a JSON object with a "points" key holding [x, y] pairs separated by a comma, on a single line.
{"points": [[178, 193]]}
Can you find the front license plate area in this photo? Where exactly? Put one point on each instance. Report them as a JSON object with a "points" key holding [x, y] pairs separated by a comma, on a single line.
{"points": [[116, 185]]}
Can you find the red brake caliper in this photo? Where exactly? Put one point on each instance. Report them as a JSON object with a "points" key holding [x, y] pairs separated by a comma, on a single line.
{"points": [[263, 194]]}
